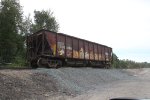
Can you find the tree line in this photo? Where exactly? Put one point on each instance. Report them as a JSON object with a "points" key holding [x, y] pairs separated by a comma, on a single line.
{"points": [[117, 63], [14, 27]]}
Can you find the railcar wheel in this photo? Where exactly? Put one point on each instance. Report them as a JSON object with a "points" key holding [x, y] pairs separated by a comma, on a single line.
{"points": [[39, 62]]}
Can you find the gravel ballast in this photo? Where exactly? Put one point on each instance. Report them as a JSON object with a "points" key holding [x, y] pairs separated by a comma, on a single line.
{"points": [[43, 84]]}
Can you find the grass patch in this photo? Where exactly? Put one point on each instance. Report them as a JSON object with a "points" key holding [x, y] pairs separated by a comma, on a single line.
{"points": [[18, 62]]}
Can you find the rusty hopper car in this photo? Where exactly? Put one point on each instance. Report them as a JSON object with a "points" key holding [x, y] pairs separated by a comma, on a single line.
{"points": [[46, 48]]}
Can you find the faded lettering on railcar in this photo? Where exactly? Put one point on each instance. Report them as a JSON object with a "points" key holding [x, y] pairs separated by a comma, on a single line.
{"points": [[61, 45], [86, 50]]}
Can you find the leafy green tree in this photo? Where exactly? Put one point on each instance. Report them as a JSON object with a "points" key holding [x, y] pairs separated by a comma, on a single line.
{"points": [[26, 26], [10, 23], [45, 20], [123, 64], [115, 61]]}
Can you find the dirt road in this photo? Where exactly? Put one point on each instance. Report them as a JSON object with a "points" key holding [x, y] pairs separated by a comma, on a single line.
{"points": [[138, 87], [74, 84]]}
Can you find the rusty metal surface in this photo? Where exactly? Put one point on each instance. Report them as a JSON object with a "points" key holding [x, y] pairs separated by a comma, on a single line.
{"points": [[81, 49], [86, 50], [66, 47], [99, 52], [91, 48], [69, 47], [103, 53], [51, 38], [61, 45], [106, 53], [96, 51], [75, 48], [33, 47]]}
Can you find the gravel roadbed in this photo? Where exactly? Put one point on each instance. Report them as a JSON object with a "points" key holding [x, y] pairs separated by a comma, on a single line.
{"points": [[59, 84]]}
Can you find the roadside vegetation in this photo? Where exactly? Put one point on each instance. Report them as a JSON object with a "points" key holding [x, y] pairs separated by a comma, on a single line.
{"points": [[14, 28], [116, 63]]}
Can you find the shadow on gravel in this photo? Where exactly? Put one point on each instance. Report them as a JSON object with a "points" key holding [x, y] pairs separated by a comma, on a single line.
{"points": [[94, 67], [26, 68], [15, 68]]}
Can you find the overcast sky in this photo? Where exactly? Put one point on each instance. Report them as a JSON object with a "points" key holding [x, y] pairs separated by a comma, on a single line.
{"points": [[123, 25]]}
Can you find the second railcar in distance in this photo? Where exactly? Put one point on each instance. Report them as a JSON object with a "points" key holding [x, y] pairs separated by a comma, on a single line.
{"points": [[51, 49]]}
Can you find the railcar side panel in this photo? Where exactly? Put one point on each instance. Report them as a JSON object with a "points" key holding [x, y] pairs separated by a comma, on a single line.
{"points": [[86, 50], [44, 47], [51, 38], [75, 48], [91, 48], [100, 52], [81, 49], [69, 47], [96, 51], [106, 53], [103, 53], [60, 45]]}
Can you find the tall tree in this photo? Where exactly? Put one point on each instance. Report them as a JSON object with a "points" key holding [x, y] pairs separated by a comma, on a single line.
{"points": [[26, 26], [10, 22], [45, 20]]}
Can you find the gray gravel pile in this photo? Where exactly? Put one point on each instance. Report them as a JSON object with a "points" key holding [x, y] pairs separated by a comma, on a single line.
{"points": [[26, 84], [42, 83], [79, 80]]}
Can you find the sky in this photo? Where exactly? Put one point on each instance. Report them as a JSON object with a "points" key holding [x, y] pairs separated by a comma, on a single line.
{"points": [[123, 25]]}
